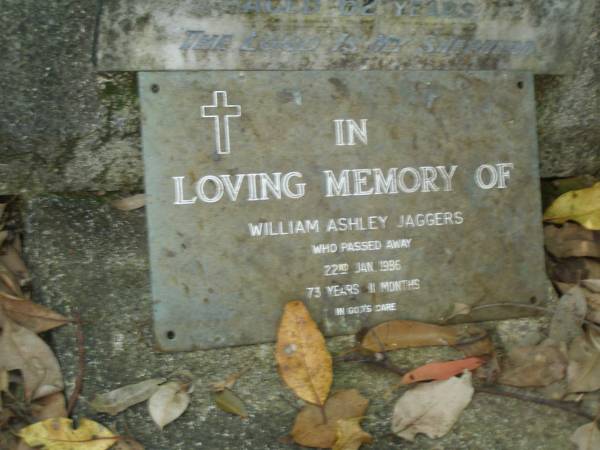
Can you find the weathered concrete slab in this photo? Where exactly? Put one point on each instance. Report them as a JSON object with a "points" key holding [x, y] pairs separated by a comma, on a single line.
{"points": [[342, 34], [569, 114], [62, 126], [90, 258], [350, 191]]}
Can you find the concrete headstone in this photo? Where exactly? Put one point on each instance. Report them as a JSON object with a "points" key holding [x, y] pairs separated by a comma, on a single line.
{"points": [[543, 37], [371, 196]]}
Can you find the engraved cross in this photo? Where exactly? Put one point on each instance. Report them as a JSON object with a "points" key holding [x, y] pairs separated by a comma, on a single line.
{"points": [[220, 111]]}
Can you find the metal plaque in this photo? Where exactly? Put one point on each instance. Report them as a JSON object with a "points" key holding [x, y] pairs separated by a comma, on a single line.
{"points": [[540, 36], [369, 195]]}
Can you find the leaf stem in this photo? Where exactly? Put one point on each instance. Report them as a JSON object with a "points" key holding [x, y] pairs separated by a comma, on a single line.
{"points": [[540, 401], [519, 305]]}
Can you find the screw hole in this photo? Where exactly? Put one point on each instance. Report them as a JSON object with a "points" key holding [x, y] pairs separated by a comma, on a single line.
{"points": [[170, 335], [533, 300], [155, 88], [520, 84]]}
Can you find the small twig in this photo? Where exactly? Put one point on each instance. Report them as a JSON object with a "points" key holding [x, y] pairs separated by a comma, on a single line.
{"points": [[80, 366], [540, 401], [376, 359], [472, 339], [519, 305]]}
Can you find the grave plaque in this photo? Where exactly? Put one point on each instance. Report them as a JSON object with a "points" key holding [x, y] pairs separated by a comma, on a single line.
{"points": [[371, 196], [543, 36]]}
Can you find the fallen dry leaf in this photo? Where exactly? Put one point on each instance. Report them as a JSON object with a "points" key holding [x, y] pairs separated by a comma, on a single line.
{"points": [[11, 258], [4, 380], [568, 316], [592, 294], [538, 365], [458, 309], [50, 407], [9, 442], [583, 373], [58, 434], [310, 430], [120, 399], [483, 346], [28, 314], [582, 206], [592, 284], [168, 403], [587, 437], [432, 408], [571, 240], [229, 402], [349, 434], [10, 281], [228, 382], [442, 370], [574, 270], [130, 203], [302, 356], [23, 350], [397, 334], [593, 306]]}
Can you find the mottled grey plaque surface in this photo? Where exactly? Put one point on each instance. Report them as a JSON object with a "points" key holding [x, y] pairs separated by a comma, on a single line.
{"points": [[369, 195], [543, 36]]}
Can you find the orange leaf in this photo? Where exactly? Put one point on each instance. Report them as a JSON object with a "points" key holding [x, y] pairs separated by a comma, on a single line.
{"points": [[302, 356], [441, 370]]}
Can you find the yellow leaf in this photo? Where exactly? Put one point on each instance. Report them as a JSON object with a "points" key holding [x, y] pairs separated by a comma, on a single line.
{"points": [[58, 434], [303, 359], [350, 436], [582, 206]]}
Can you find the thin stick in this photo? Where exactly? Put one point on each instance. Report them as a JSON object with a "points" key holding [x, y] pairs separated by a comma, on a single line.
{"points": [[386, 364], [518, 305], [80, 366], [377, 359], [540, 401]]}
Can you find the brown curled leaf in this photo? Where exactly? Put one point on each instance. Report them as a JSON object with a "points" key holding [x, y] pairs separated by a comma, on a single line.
{"points": [[397, 334], [311, 430], [32, 316]]}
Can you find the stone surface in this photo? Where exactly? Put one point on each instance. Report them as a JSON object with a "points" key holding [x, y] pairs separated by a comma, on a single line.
{"points": [[90, 258], [62, 126], [342, 34], [60, 130], [569, 114], [225, 258]]}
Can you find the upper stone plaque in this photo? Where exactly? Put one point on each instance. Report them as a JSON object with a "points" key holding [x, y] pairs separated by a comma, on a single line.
{"points": [[369, 195], [531, 35]]}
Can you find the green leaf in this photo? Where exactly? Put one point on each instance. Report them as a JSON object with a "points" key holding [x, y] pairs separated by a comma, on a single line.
{"points": [[229, 402]]}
